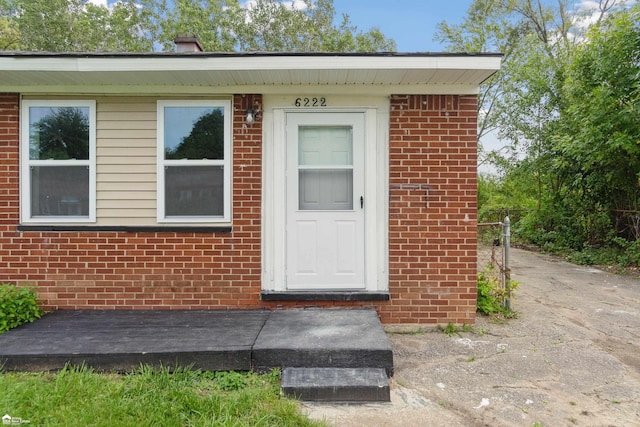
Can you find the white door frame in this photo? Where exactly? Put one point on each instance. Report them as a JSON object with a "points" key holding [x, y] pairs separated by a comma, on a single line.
{"points": [[274, 196]]}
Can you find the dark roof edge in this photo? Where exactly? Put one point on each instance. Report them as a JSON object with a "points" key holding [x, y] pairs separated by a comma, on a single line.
{"points": [[39, 54]]}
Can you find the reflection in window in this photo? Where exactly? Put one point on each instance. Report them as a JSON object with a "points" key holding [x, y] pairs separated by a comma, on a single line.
{"points": [[194, 191], [194, 133], [58, 167], [193, 161], [58, 133], [59, 191]]}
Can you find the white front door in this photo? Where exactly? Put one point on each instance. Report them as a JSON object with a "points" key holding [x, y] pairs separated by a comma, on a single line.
{"points": [[325, 205]]}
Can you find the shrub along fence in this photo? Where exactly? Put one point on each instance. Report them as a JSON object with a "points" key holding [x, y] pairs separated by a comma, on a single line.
{"points": [[493, 258]]}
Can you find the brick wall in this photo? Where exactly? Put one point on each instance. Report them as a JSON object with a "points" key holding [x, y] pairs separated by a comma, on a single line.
{"points": [[433, 205], [9, 166], [107, 270], [432, 230]]}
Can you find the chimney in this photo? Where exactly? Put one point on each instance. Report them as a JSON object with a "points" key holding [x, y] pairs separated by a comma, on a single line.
{"points": [[187, 43]]}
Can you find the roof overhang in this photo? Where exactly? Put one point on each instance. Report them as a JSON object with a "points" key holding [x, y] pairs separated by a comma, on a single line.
{"points": [[379, 73]]}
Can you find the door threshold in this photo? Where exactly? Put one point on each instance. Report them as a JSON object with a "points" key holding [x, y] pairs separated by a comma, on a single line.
{"points": [[316, 295]]}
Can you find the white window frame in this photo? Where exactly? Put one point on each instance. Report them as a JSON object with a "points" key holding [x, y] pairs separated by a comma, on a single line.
{"points": [[26, 162], [226, 163]]}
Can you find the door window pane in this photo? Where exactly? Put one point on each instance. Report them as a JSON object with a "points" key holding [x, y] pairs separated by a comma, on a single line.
{"points": [[59, 191], [194, 191], [325, 189], [325, 146], [325, 168]]}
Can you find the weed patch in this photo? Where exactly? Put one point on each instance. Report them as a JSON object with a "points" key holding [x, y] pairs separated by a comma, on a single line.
{"points": [[492, 294]]}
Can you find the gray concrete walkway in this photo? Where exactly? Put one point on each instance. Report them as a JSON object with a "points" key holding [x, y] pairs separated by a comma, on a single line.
{"points": [[121, 340]]}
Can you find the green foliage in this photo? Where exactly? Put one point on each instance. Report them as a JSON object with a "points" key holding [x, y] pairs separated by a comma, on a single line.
{"points": [[61, 135], [598, 136], [145, 25], [491, 292], [230, 381], [498, 197], [205, 141], [621, 252], [17, 306], [630, 252], [568, 103], [147, 397], [9, 35], [76, 25], [452, 329], [273, 25]]}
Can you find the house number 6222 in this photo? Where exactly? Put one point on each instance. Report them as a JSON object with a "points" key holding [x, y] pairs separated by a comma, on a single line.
{"points": [[311, 102]]}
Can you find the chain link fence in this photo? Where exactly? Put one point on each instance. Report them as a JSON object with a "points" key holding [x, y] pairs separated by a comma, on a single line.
{"points": [[494, 243]]}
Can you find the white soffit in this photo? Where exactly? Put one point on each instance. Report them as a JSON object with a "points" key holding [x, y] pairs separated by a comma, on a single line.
{"points": [[238, 72]]}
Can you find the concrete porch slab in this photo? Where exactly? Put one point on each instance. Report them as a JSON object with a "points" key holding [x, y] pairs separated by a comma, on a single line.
{"points": [[214, 340], [121, 340]]}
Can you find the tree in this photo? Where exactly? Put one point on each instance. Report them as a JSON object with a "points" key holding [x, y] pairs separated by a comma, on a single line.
{"points": [[61, 135], [208, 19], [9, 36], [265, 25], [600, 129], [206, 140], [581, 164], [148, 25], [75, 25], [536, 38]]}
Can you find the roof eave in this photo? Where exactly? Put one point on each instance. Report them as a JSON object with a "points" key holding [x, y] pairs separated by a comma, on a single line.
{"points": [[42, 70]]}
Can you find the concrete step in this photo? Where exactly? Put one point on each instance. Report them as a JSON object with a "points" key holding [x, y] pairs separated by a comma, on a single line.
{"points": [[322, 338], [336, 384]]}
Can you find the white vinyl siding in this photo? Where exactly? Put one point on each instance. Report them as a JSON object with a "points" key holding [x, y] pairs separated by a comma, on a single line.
{"points": [[126, 162]]}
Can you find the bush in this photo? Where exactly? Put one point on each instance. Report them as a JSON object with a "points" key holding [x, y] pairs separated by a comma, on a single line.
{"points": [[629, 252], [491, 293], [17, 306]]}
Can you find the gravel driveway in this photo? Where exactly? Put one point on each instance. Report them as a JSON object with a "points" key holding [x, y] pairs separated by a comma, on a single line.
{"points": [[571, 358]]}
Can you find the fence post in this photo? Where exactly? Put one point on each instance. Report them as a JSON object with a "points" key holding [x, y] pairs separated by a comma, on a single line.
{"points": [[506, 229]]}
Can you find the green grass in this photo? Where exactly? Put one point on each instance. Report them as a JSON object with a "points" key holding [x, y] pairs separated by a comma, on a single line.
{"points": [[148, 397]]}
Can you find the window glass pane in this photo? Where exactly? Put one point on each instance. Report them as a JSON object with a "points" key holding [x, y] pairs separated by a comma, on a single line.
{"points": [[58, 133], [194, 133], [326, 145], [59, 190], [325, 189], [194, 191]]}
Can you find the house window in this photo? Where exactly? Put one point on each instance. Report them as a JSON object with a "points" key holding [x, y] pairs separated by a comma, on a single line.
{"points": [[194, 161], [58, 161]]}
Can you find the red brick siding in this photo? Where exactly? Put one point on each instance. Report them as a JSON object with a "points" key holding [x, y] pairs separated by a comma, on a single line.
{"points": [[432, 231], [432, 249], [9, 164]]}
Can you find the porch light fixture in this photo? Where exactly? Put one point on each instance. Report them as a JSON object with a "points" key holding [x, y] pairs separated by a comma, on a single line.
{"points": [[250, 117]]}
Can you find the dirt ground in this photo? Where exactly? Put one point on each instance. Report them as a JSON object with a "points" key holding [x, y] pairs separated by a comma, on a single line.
{"points": [[570, 358]]}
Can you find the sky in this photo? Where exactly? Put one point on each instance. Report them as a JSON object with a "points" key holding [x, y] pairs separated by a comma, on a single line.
{"points": [[411, 23]]}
